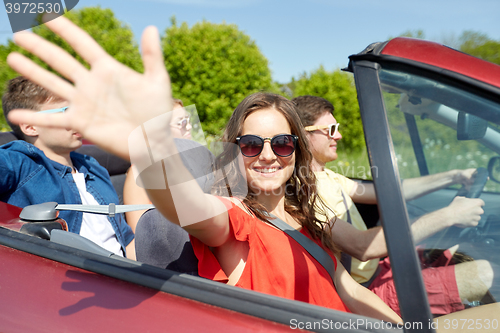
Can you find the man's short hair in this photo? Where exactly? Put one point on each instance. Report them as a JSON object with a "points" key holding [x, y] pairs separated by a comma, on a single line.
{"points": [[310, 108], [22, 93]]}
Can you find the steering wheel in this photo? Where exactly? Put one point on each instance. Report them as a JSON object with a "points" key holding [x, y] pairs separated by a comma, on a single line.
{"points": [[481, 177], [475, 190]]}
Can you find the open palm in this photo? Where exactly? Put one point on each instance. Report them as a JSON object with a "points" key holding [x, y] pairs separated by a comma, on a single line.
{"points": [[106, 102]]}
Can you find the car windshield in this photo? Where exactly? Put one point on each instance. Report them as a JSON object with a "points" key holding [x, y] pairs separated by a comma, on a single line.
{"points": [[438, 128]]}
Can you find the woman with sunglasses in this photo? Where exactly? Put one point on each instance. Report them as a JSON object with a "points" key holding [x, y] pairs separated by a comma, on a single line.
{"points": [[180, 124], [241, 247], [231, 236]]}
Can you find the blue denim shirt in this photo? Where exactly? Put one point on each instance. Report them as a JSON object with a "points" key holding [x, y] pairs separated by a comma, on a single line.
{"points": [[28, 177]]}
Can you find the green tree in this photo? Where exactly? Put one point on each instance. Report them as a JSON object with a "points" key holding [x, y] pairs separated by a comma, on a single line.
{"points": [[114, 36], [214, 66], [6, 73], [480, 45], [413, 34], [338, 88]]}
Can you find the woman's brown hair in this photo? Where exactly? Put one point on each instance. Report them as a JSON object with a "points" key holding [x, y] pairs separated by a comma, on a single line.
{"points": [[301, 199]]}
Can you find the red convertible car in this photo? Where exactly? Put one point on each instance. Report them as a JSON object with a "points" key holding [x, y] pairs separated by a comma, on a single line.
{"points": [[426, 109]]}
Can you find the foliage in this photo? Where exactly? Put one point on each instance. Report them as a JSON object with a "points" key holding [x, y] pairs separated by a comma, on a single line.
{"points": [[481, 46], [114, 36], [338, 88], [413, 34], [214, 66], [353, 164], [470, 40], [6, 73]]}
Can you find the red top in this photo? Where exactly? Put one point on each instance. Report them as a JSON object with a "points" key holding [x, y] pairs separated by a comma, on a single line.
{"points": [[276, 263]]}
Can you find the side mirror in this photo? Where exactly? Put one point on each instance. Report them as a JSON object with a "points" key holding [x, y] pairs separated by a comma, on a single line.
{"points": [[470, 127], [494, 169]]}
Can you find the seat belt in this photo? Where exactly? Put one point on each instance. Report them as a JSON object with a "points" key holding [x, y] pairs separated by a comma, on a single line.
{"points": [[310, 246], [48, 210], [345, 259], [110, 209]]}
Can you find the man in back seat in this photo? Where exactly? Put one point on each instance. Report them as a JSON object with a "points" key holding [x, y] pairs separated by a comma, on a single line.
{"points": [[43, 167]]}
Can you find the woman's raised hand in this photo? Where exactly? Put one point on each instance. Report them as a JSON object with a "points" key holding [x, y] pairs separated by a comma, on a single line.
{"points": [[106, 102]]}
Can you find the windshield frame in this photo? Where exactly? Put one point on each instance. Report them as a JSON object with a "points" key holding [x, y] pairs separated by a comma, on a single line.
{"points": [[392, 206], [413, 302]]}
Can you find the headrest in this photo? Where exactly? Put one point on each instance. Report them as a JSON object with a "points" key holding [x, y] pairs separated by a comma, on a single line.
{"points": [[114, 164], [6, 137]]}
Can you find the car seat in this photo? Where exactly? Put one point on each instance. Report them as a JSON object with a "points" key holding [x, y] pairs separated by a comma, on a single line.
{"points": [[159, 242]]}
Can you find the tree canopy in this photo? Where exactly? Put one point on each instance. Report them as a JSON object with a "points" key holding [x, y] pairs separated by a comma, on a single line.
{"points": [[480, 45], [214, 66], [113, 35]]}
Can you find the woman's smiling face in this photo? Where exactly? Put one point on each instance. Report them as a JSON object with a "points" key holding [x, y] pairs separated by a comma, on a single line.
{"points": [[267, 172]]}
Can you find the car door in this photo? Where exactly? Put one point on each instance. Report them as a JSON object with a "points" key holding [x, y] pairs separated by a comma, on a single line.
{"points": [[50, 283], [426, 113]]}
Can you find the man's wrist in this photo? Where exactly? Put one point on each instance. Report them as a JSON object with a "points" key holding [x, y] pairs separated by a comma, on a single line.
{"points": [[456, 176], [442, 217]]}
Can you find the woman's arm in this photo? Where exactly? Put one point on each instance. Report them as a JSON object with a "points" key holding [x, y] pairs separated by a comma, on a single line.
{"points": [[134, 195], [361, 300], [130, 248]]}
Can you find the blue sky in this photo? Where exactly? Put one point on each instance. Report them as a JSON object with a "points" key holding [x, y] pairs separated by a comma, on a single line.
{"points": [[299, 36]]}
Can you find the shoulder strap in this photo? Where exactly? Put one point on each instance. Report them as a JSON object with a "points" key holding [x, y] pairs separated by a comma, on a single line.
{"points": [[349, 220], [345, 259], [311, 247]]}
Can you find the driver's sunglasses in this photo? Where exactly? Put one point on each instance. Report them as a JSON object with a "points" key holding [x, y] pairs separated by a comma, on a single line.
{"points": [[282, 144], [333, 129], [183, 123], [54, 110]]}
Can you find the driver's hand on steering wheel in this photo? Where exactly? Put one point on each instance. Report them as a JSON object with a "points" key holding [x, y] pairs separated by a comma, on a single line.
{"points": [[465, 212], [465, 177]]}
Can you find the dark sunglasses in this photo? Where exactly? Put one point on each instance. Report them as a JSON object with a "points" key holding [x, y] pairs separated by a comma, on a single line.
{"points": [[282, 144]]}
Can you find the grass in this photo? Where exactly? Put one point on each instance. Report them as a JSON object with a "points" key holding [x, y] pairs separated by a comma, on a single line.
{"points": [[352, 164]]}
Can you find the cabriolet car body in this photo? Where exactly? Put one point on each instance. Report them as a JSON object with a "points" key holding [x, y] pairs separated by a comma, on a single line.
{"points": [[426, 109]]}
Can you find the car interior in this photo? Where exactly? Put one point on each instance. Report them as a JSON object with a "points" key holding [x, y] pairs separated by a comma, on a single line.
{"points": [[440, 126]]}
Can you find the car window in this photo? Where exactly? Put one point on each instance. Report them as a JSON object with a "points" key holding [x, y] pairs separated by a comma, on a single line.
{"points": [[438, 127]]}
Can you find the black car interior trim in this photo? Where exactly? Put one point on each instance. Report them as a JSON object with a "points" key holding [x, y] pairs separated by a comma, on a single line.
{"points": [[404, 260]]}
